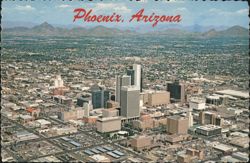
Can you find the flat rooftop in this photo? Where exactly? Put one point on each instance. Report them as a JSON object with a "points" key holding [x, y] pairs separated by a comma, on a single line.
{"points": [[209, 127], [234, 93], [197, 100], [223, 147], [177, 117], [109, 118]]}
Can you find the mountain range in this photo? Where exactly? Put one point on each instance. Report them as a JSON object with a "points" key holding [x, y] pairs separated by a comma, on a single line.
{"points": [[46, 29]]}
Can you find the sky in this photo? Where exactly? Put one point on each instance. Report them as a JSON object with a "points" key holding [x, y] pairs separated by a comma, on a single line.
{"points": [[205, 13]]}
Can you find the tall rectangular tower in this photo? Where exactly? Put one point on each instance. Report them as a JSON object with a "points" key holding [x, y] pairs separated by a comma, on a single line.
{"points": [[137, 78], [130, 102], [177, 91], [121, 81], [135, 72]]}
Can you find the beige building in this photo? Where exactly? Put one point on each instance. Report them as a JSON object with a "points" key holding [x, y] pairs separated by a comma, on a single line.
{"points": [[177, 125], [147, 122], [190, 156], [110, 112], [210, 118], [99, 158], [143, 124], [141, 142], [159, 98], [63, 130], [158, 122], [112, 104], [176, 138], [72, 114], [144, 97], [196, 103], [108, 124]]}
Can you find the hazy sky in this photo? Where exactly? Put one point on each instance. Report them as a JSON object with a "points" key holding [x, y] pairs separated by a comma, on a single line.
{"points": [[192, 12]]}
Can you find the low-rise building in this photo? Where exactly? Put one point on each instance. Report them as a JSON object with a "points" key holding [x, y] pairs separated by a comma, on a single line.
{"points": [[177, 124], [108, 124], [175, 138], [110, 112], [34, 112], [242, 142], [43, 123], [26, 118], [25, 135], [190, 156], [99, 158], [210, 118], [196, 103], [72, 114], [208, 130], [226, 149], [141, 142], [158, 98], [64, 130]]}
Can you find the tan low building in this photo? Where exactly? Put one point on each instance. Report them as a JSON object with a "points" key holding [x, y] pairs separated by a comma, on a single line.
{"points": [[177, 125], [110, 112], [141, 142], [158, 98], [108, 124], [149, 123], [98, 158], [175, 138], [190, 156], [143, 124]]}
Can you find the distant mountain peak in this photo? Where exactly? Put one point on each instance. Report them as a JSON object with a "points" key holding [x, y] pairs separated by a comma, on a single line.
{"points": [[44, 25], [46, 29], [212, 30], [237, 28]]}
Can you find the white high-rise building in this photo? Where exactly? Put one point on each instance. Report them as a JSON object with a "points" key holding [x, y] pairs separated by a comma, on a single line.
{"points": [[58, 82], [190, 118], [197, 103], [121, 81], [130, 102], [137, 75], [87, 107]]}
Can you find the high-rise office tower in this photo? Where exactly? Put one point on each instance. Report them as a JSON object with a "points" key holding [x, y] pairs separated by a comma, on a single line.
{"points": [[121, 81], [130, 102], [131, 72], [100, 96], [58, 82], [106, 98], [97, 98], [136, 75], [177, 91]]}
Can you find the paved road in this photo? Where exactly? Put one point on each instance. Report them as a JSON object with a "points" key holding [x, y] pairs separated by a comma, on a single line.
{"points": [[128, 151], [16, 157], [64, 151]]}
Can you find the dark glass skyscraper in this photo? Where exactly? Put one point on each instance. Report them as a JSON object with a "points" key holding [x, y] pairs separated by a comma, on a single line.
{"points": [[106, 97], [97, 99], [131, 72], [177, 91], [100, 96]]}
